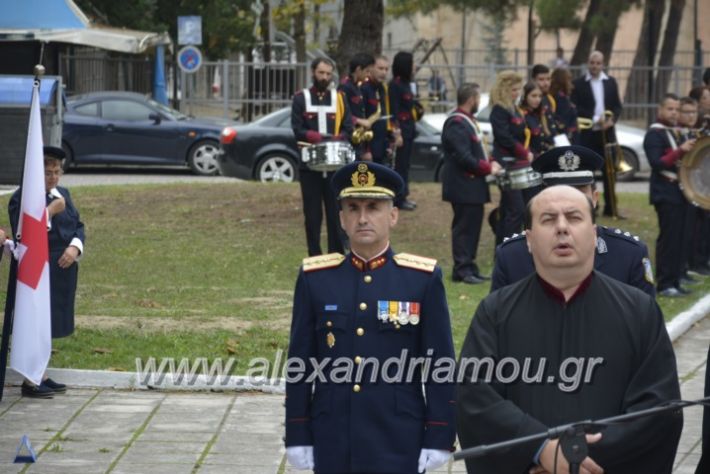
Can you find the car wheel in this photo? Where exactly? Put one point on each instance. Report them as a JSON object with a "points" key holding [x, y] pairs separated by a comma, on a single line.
{"points": [[633, 161], [202, 158], [276, 168], [69, 159]]}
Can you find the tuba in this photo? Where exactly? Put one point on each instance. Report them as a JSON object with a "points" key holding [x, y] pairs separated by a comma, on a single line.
{"points": [[694, 174]]}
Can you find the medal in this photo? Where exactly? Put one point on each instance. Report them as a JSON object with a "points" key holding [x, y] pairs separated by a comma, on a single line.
{"points": [[403, 313], [383, 308], [414, 313], [330, 340], [392, 311]]}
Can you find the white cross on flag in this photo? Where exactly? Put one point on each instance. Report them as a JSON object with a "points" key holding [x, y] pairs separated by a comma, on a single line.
{"points": [[32, 331]]}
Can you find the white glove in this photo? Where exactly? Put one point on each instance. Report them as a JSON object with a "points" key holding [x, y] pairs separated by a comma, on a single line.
{"points": [[431, 459], [8, 247], [300, 457]]}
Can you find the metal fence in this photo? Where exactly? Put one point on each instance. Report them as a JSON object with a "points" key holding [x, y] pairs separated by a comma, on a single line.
{"points": [[244, 91]]}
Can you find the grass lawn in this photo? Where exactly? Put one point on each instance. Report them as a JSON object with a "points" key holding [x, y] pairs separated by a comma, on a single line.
{"points": [[196, 270]]}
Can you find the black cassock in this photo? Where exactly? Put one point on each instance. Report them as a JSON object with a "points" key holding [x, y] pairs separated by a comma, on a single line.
{"points": [[610, 333]]}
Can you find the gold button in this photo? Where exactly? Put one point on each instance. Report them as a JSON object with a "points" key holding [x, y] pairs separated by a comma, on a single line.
{"points": [[329, 324], [356, 388], [368, 279], [360, 331], [358, 359], [363, 306]]}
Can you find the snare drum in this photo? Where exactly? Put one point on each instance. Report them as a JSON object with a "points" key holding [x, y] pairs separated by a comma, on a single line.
{"points": [[521, 178], [328, 156]]}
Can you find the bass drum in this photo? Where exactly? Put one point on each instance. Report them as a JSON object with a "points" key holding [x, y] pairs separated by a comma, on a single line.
{"points": [[694, 174]]}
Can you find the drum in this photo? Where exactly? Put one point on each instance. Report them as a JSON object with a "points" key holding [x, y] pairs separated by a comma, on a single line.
{"points": [[521, 178], [328, 156]]}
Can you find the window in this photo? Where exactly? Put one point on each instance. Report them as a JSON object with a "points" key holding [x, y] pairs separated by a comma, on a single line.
{"points": [[88, 110], [124, 110]]}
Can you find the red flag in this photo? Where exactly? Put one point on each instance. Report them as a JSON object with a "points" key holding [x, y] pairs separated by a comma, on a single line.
{"points": [[32, 332]]}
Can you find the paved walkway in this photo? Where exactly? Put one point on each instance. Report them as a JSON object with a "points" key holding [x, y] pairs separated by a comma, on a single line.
{"points": [[102, 430]]}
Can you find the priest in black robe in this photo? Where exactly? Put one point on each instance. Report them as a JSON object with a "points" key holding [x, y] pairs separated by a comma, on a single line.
{"points": [[586, 347]]}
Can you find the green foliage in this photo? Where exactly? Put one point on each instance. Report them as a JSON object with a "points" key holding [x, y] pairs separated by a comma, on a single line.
{"points": [[227, 25], [558, 14]]}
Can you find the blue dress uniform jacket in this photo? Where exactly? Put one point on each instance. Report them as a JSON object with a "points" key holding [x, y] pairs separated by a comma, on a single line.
{"points": [[366, 426], [62, 281], [465, 163], [619, 255]]}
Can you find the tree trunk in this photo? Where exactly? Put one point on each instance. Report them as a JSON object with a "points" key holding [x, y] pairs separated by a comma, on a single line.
{"points": [[531, 33], [640, 82], [670, 40], [265, 25], [608, 16], [586, 36], [361, 31], [299, 35]]}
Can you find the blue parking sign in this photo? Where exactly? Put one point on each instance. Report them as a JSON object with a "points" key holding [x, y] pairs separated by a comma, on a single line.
{"points": [[189, 59], [190, 29]]}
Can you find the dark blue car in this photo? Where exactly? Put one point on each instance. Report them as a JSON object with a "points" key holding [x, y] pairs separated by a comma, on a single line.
{"points": [[126, 128]]}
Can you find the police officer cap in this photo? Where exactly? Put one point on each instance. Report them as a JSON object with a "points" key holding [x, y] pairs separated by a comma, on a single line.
{"points": [[367, 180], [571, 165], [54, 152]]}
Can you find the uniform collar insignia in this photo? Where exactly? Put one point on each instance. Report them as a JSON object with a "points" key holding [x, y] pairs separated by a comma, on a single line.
{"points": [[569, 161]]}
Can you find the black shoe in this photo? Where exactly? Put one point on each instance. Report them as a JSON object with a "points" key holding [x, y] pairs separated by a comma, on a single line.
{"points": [[408, 206], [683, 291], [482, 277], [670, 293], [54, 386], [36, 391], [700, 271], [470, 279]]}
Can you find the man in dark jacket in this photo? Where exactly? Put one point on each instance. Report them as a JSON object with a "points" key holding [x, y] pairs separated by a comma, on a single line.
{"points": [[463, 182]]}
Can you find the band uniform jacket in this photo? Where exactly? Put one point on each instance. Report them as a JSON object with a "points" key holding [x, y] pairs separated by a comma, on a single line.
{"points": [[510, 136], [402, 107], [583, 97], [305, 123], [619, 255], [65, 226], [465, 163], [566, 116], [664, 159], [375, 97], [344, 308]]}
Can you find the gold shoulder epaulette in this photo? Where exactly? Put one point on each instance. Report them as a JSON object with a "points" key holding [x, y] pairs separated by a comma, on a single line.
{"points": [[415, 261], [320, 262]]}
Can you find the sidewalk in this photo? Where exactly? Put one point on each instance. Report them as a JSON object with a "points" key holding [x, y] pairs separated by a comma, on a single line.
{"points": [[122, 431]]}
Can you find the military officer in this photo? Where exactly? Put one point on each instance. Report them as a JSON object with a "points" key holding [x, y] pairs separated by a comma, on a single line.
{"points": [[359, 68], [320, 113], [365, 310], [619, 254]]}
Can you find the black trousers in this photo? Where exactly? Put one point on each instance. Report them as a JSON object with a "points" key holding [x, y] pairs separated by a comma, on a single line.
{"points": [[511, 211], [465, 234], [402, 161], [689, 228], [704, 464], [699, 238], [669, 252], [317, 193], [594, 141]]}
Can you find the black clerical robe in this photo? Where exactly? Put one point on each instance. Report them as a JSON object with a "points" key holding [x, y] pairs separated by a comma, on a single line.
{"points": [[610, 334]]}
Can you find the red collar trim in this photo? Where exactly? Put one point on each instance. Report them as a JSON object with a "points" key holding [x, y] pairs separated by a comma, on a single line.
{"points": [[373, 264], [558, 296]]}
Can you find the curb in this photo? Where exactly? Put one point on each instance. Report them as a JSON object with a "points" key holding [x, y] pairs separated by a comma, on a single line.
{"points": [[200, 383]]}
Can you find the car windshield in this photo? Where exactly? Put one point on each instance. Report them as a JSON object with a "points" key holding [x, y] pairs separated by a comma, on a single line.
{"points": [[164, 109], [273, 119], [428, 128]]}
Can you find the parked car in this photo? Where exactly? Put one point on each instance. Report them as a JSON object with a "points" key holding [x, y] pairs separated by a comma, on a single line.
{"points": [[630, 138], [126, 128], [266, 150]]}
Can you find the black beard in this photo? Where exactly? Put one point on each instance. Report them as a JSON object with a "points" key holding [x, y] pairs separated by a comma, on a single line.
{"points": [[321, 86]]}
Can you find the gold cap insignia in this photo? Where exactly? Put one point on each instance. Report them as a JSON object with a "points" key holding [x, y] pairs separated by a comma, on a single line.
{"points": [[362, 177]]}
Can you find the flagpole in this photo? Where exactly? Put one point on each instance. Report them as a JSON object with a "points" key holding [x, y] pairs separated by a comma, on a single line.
{"points": [[7, 322], [12, 281]]}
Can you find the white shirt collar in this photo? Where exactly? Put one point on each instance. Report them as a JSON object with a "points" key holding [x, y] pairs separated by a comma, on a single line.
{"points": [[602, 76]]}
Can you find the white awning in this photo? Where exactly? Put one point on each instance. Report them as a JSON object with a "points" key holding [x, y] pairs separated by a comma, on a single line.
{"points": [[112, 39]]}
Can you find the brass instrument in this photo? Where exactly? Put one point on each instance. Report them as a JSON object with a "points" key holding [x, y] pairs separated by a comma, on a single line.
{"points": [[614, 163], [584, 123], [694, 174], [364, 133]]}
